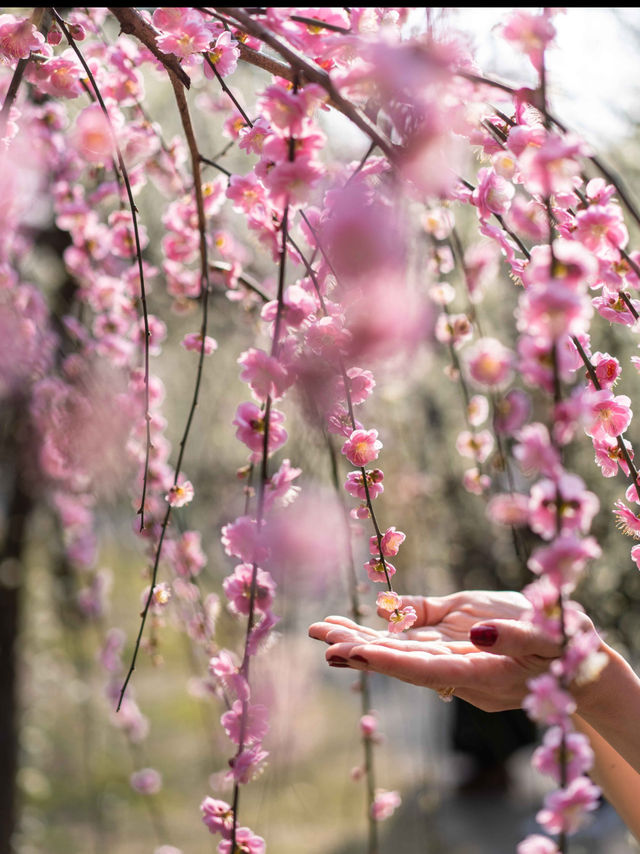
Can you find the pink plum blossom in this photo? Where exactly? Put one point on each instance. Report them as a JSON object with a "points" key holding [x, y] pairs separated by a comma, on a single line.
{"points": [[193, 342], [478, 446], [362, 447], [280, 488], [93, 137], [454, 329], [530, 33], [18, 37], [627, 520], [251, 426], [490, 363], [610, 415], [384, 804], [355, 484], [537, 844], [390, 543], [223, 54], [509, 509], [361, 384], [609, 456], [577, 506], [564, 559], [474, 482], [252, 724], [601, 228], [217, 815], [246, 843], [547, 702], [535, 452], [565, 809], [188, 36], [376, 569], [368, 725], [267, 377], [388, 600], [147, 781], [512, 411], [237, 588], [549, 312], [477, 410], [492, 194], [614, 308], [180, 494], [248, 764], [241, 538], [402, 619]]}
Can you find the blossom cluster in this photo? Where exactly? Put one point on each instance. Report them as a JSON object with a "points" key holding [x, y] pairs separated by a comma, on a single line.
{"points": [[341, 299]]}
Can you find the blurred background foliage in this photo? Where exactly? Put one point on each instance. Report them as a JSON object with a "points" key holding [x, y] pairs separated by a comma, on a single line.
{"points": [[75, 766]]}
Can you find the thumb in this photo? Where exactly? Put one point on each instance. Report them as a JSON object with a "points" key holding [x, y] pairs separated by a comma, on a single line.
{"points": [[515, 638]]}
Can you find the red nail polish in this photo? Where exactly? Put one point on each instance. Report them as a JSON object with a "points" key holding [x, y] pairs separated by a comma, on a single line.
{"points": [[358, 658], [338, 664], [483, 635], [337, 659]]}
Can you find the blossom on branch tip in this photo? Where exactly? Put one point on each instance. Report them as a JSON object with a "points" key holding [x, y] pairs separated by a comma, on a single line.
{"points": [[402, 619], [384, 804], [223, 55]]}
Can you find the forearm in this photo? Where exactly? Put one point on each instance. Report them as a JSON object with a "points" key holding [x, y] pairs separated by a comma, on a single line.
{"points": [[619, 782], [611, 707]]}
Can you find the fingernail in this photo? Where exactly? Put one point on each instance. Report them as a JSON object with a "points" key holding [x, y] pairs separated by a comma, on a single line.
{"points": [[337, 659], [483, 635], [358, 658], [338, 664]]}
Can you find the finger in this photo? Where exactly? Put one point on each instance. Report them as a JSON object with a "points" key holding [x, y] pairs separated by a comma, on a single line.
{"points": [[332, 633], [339, 620], [431, 610], [515, 638], [344, 649], [436, 647], [417, 667]]}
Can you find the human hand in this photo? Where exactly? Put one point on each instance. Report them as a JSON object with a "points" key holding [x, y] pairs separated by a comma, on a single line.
{"points": [[439, 618], [491, 673]]}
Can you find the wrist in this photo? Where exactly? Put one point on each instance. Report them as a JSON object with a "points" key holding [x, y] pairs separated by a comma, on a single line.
{"points": [[609, 695]]}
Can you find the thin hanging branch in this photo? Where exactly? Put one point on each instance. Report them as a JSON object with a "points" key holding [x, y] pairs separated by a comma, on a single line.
{"points": [[205, 289], [134, 218]]}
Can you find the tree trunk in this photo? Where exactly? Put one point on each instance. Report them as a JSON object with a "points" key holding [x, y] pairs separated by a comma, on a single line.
{"points": [[11, 583]]}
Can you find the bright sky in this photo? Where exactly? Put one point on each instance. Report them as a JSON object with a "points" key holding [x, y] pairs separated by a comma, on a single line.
{"points": [[594, 72]]}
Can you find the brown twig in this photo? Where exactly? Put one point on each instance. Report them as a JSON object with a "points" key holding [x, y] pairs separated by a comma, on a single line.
{"points": [[132, 23], [311, 72], [185, 118]]}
